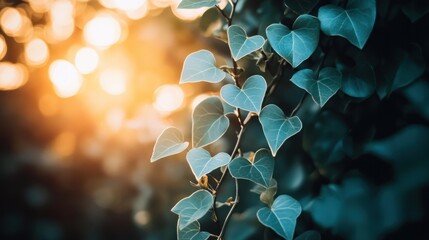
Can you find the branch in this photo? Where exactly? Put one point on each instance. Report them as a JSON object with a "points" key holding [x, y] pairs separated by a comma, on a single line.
{"points": [[298, 105], [236, 200]]}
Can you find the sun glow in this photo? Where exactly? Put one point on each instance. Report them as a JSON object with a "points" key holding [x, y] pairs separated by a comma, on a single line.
{"points": [[169, 98], [3, 47]]}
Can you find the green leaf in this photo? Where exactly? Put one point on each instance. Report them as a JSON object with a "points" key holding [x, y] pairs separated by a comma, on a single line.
{"points": [[192, 208], [200, 67], [241, 45], [322, 87], [282, 216], [259, 171], [298, 44], [249, 97], [201, 162], [191, 232], [193, 4], [354, 23], [301, 6], [278, 128], [309, 235], [208, 122], [170, 142], [359, 81]]}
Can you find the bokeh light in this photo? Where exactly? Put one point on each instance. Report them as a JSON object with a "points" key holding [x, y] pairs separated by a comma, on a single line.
{"points": [[48, 105], [113, 81], [12, 76], [3, 47], [169, 98], [66, 79], [36, 52], [11, 21], [186, 14], [40, 6], [64, 144], [129, 5], [102, 31], [86, 60]]}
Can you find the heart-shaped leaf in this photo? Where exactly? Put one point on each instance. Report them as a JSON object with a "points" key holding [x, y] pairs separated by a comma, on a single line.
{"points": [[354, 23], [241, 45], [298, 44], [208, 122], [322, 87], [259, 171], [192, 208], [301, 6], [200, 67], [282, 216], [359, 81], [191, 232], [201, 162], [170, 142], [309, 235], [249, 97], [193, 4], [277, 127]]}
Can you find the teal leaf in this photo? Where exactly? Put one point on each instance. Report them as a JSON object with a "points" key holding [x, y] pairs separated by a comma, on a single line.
{"points": [[208, 122], [404, 68], [200, 67], [354, 23], [359, 81], [201, 162], [266, 194], [259, 171], [192, 208], [298, 44], [309, 235], [241, 45], [301, 6], [322, 87], [191, 232], [193, 4], [277, 127], [249, 97], [415, 10], [170, 142], [282, 216]]}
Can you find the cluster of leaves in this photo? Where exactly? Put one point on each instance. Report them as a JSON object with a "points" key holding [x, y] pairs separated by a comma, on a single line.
{"points": [[300, 44]]}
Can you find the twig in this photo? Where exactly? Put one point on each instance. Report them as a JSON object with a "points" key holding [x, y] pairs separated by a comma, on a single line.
{"points": [[298, 105], [236, 200]]}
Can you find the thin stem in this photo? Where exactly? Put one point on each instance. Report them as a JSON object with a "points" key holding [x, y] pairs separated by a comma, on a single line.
{"points": [[236, 200], [298, 105], [273, 85]]}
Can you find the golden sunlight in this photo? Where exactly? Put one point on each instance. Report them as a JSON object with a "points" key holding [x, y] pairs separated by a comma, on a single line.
{"points": [[113, 81], [66, 79], [64, 144], [86, 60], [3, 47], [102, 31], [40, 6], [169, 98], [12, 76], [36, 52]]}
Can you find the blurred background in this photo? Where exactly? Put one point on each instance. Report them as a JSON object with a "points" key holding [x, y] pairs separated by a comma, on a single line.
{"points": [[86, 86], [85, 89]]}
